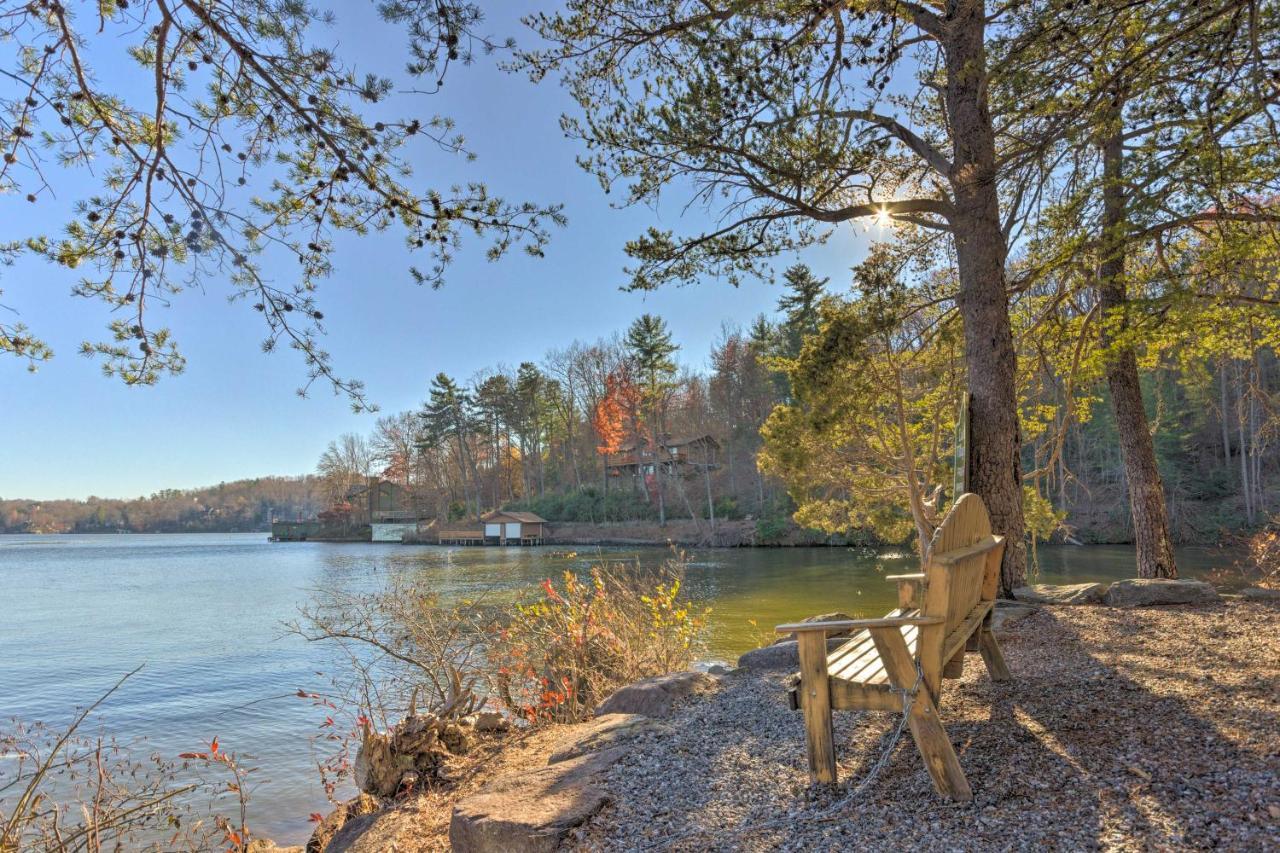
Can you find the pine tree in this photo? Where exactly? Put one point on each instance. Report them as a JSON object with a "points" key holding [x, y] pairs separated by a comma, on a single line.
{"points": [[799, 306], [651, 348]]}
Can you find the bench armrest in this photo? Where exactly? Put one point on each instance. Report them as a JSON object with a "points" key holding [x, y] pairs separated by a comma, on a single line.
{"points": [[856, 624]]}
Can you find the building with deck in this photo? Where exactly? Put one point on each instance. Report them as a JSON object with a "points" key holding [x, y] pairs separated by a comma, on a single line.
{"points": [[501, 527], [505, 527], [386, 507], [684, 457]]}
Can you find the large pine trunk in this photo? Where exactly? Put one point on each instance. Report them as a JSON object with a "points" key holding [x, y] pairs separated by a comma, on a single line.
{"points": [[995, 472], [1146, 490]]}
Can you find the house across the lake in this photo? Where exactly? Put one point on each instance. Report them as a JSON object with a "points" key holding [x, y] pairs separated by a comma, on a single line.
{"points": [[678, 456], [384, 506]]}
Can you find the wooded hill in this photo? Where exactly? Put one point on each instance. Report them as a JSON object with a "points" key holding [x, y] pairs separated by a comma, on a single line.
{"points": [[242, 505], [821, 378]]}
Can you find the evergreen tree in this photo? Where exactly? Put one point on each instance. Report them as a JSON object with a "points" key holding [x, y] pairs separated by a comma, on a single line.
{"points": [[799, 306], [651, 348]]}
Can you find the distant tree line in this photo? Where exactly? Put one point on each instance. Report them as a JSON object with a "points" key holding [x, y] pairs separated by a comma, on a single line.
{"points": [[538, 436], [242, 505], [840, 412]]}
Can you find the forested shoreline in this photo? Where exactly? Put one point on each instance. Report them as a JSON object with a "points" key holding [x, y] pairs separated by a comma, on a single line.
{"points": [[805, 405], [238, 506]]}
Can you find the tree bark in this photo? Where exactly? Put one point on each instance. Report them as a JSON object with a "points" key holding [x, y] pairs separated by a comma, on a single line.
{"points": [[1146, 490], [995, 472]]}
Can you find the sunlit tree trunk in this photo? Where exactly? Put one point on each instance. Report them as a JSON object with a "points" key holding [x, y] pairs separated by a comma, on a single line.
{"points": [[995, 472]]}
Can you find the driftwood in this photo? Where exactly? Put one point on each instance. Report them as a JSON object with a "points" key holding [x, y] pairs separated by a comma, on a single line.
{"points": [[415, 753]]}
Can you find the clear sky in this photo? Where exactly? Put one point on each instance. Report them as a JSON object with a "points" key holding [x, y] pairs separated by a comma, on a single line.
{"points": [[67, 431]]}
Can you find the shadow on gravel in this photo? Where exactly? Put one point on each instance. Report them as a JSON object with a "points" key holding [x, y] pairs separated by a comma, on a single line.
{"points": [[1104, 739]]}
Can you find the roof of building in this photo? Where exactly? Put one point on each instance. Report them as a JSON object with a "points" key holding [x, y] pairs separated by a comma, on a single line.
{"points": [[670, 441], [527, 517]]}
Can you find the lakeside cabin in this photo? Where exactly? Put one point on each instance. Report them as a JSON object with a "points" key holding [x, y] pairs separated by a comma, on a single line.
{"points": [[679, 456], [501, 527]]}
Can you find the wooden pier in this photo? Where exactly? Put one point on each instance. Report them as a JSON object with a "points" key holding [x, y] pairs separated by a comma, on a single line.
{"points": [[461, 536]]}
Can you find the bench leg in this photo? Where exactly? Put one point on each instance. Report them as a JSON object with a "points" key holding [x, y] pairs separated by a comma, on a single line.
{"points": [[922, 717], [815, 699], [992, 656]]}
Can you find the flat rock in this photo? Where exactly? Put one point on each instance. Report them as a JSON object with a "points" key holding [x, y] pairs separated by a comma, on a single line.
{"points": [[605, 732], [781, 655], [1261, 593], [1145, 592], [532, 812], [655, 697], [1073, 593], [1007, 613]]}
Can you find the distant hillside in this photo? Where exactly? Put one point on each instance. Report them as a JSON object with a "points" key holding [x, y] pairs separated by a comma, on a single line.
{"points": [[243, 505]]}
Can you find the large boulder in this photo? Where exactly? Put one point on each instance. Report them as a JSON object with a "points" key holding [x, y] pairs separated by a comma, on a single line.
{"points": [[1073, 593], [657, 696], [606, 732], [338, 818], [782, 655], [1144, 592], [532, 812]]}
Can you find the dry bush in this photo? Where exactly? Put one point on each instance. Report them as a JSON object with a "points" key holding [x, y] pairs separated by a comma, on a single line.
{"points": [[63, 791], [407, 657], [564, 651], [1262, 566]]}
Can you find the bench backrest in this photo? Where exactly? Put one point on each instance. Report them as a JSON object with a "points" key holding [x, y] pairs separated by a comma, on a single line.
{"points": [[962, 573]]}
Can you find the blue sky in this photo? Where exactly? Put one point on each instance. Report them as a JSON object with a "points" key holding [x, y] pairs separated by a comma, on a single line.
{"points": [[67, 431]]}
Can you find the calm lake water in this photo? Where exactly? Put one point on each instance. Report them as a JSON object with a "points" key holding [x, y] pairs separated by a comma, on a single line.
{"points": [[204, 613]]}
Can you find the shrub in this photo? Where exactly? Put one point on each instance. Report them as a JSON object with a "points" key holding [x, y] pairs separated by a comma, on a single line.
{"points": [[63, 790], [576, 642]]}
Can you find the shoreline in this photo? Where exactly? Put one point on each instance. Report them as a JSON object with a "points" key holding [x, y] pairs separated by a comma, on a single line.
{"points": [[1154, 719]]}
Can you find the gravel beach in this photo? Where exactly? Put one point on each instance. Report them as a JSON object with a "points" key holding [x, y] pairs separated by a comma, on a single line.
{"points": [[1140, 729]]}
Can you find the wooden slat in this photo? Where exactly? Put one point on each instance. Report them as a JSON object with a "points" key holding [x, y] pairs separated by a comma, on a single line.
{"points": [[855, 624], [968, 626], [956, 555], [860, 668], [863, 697]]}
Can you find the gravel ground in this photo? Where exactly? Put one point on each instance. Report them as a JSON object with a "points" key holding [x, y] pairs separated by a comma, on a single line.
{"points": [[1122, 730]]}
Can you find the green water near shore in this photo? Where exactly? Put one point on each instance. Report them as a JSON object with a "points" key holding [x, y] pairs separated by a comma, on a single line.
{"points": [[752, 589], [204, 612]]}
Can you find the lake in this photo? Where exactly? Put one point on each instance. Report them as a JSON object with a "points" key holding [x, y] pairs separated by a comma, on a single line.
{"points": [[204, 613]]}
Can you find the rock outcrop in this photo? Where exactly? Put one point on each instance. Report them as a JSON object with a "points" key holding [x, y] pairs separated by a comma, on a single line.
{"points": [[606, 732], [532, 812], [657, 696], [1145, 592], [1075, 593], [357, 807]]}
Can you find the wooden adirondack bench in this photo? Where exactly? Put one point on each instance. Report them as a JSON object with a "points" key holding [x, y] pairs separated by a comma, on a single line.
{"points": [[942, 613]]}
